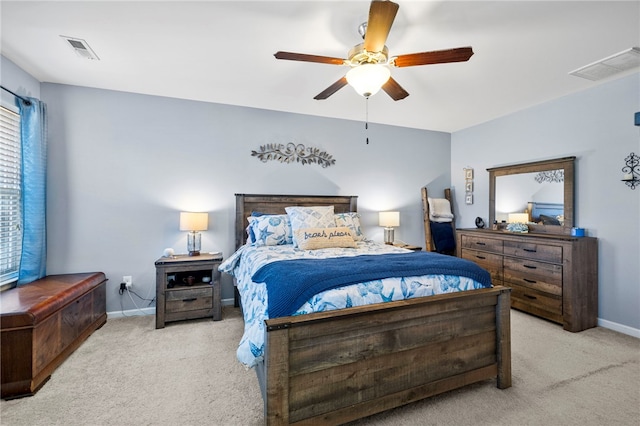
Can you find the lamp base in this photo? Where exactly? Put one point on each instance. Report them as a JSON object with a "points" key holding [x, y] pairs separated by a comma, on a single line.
{"points": [[388, 235], [194, 253]]}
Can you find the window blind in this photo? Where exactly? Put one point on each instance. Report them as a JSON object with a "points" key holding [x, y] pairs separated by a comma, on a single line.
{"points": [[10, 196]]}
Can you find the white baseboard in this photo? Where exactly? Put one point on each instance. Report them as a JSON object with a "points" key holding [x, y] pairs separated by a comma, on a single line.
{"points": [[624, 329], [149, 311]]}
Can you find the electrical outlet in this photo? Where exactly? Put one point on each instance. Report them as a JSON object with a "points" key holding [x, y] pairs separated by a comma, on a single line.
{"points": [[127, 280]]}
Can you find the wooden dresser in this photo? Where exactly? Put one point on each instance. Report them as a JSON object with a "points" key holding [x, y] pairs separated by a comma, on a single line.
{"points": [[551, 276]]}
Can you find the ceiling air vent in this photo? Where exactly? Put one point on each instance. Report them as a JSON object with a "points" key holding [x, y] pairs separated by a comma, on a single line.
{"points": [[623, 61], [81, 48]]}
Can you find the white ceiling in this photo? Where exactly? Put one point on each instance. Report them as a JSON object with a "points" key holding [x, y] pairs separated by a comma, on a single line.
{"points": [[222, 51]]}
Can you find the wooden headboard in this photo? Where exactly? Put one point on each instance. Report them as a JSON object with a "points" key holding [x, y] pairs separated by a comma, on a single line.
{"points": [[275, 204]]}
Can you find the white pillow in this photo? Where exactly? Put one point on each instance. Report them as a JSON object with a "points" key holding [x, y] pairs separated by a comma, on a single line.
{"points": [[310, 217], [352, 221]]}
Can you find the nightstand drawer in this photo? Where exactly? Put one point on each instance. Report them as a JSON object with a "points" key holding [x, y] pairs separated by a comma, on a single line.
{"points": [[192, 299]]}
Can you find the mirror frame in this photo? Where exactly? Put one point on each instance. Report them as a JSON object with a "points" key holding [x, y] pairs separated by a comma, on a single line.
{"points": [[565, 163]]}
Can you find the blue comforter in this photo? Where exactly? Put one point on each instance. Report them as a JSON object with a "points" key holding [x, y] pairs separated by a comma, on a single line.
{"points": [[291, 283]]}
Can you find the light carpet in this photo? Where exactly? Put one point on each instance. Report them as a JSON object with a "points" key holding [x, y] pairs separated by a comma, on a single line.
{"points": [[129, 373]]}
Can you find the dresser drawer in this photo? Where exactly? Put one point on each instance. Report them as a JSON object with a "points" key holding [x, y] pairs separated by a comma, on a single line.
{"points": [[534, 251], [192, 299], [480, 243], [541, 276], [489, 261], [536, 302]]}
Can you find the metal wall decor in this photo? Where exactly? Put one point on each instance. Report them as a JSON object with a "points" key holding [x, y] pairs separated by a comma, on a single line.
{"points": [[292, 152], [631, 171], [550, 176]]}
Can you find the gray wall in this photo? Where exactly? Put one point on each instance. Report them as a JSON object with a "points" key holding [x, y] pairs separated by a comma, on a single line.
{"points": [[597, 127], [122, 165]]}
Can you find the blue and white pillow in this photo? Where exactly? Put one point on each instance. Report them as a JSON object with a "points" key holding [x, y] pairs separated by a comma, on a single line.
{"points": [[352, 221], [310, 217], [270, 230]]}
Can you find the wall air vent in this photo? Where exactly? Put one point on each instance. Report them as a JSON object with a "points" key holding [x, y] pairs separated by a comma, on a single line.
{"points": [[81, 48], [623, 61]]}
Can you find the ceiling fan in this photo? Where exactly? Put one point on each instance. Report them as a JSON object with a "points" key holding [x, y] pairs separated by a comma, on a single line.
{"points": [[370, 61]]}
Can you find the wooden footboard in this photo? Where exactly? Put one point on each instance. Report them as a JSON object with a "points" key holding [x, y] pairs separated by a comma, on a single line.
{"points": [[338, 366]]}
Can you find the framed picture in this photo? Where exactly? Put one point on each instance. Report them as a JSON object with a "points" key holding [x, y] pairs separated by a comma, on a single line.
{"points": [[468, 174], [468, 187], [469, 199]]}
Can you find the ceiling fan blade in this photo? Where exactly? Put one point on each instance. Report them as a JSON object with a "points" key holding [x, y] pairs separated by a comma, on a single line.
{"points": [[308, 58], [460, 54], [393, 89], [331, 89], [381, 16]]}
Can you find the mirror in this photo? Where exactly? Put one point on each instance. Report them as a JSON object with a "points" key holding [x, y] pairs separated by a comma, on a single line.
{"points": [[542, 189]]}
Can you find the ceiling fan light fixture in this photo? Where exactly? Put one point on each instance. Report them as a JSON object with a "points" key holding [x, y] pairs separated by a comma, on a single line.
{"points": [[367, 79]]}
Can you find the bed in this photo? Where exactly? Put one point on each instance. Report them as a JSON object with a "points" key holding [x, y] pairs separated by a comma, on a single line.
{"points": [[336, 366]]}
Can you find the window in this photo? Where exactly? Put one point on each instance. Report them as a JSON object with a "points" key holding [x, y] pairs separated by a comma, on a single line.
{"points": [[10, 196]]}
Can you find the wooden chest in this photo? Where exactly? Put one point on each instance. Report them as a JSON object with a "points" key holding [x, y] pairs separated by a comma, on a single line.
{"points": [[551, 276], [42, 323]]}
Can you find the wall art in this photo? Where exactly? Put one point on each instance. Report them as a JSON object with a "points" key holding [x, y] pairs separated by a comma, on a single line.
{"points": [[291, 153]]}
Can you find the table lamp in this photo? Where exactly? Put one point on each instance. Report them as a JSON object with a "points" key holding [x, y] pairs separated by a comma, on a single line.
{"points": [[194, 222], [389, 220]]}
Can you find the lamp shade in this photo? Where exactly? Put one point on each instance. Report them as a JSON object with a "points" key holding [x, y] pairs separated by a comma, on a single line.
{"points": [[389, 219], [190, 221], [518, 217], [367, 79]]}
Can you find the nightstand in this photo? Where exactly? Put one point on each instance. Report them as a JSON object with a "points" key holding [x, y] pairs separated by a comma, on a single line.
{"points": [[182, 291], [407, 246]]}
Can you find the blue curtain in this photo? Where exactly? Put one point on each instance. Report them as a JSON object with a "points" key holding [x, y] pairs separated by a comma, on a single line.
{"points": [[33, 116]]}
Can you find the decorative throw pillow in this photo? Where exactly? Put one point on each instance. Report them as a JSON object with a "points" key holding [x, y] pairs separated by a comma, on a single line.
{"points": [[352, 221], [318, 238], [270, 230], [310, 217]]}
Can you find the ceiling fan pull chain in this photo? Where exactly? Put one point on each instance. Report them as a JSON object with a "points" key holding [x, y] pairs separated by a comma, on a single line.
{"points": [[366, 119]]}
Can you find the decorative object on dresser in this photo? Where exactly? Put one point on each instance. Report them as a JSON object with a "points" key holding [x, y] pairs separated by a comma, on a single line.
{"points": [[194, 222], [389, 220], [552, 276], [187, 288], [42, 323]]}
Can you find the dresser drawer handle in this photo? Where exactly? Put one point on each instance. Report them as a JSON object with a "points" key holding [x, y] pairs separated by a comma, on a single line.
{"points": [[191, 299], [480, 257], [481, 244], [530, 267], [530, 250], [530, 297], [529, 281]]}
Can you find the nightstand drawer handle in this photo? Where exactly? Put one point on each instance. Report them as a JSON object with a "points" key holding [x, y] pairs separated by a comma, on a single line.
{"points": [[530, 297], [530, 267], [481, 244], [529, 281], [530, 250], [191, 299], [480, 257]]}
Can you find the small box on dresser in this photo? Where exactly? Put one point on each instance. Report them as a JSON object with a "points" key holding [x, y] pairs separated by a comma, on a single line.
{"points": [[181, 290], [551, 276]]}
